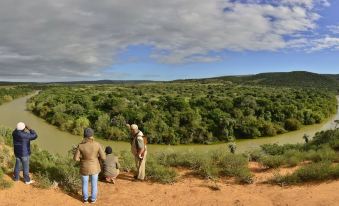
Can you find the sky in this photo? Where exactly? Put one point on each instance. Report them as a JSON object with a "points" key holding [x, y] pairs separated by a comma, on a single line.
{"points": [[71, 40]]}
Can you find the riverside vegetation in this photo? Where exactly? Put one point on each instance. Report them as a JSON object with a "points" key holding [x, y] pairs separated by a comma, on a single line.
{"points": [[182, 113], [317, 161]]}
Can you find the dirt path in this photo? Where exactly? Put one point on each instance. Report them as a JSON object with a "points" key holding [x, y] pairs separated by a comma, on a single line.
{"points": [[187, 191]]}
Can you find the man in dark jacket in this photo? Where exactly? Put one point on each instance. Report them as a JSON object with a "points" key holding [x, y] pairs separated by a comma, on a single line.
{"points": [[22, 137]]}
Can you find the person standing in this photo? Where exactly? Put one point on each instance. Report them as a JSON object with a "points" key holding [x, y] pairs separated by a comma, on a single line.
{"points": [[139, 151], [88, 152], [22, 137]]}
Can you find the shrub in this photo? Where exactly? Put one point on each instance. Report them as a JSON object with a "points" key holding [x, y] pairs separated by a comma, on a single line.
{"points": [[313, 172], [275, 149], [272, 161], [292, 124], [255, 155], [323, 154], [293, 157], [4, 184], [49, 168], [127, 161], [159, 173]]}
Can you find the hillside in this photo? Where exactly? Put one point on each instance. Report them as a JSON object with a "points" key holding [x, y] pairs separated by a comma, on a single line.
{"points": [[286, 79], [187, 191]]}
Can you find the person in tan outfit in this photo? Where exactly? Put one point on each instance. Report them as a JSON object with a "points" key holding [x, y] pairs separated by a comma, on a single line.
{"points": [[139, 151], [110, 166], [88, 152]]}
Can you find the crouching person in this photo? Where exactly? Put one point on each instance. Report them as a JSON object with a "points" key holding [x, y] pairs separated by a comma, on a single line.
{"points": [[88, 152], [110, 166]]}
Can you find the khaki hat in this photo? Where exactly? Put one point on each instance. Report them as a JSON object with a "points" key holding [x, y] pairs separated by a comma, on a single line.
{"points": [[134, 127]]}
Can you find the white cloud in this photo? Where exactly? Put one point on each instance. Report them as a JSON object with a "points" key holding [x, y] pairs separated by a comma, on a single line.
{"points": [[334, 29], [80, 37], [327, 42]]}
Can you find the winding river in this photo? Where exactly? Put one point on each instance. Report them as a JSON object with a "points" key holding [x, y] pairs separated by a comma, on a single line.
{"points": [[57, 141]]}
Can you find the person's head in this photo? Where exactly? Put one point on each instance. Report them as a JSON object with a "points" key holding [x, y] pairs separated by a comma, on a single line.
{"points": [[88, 133], [108, 150], [134, 129], [20, 126]]}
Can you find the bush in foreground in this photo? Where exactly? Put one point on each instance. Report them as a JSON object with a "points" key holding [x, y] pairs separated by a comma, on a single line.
{"points": [[319, 171]]}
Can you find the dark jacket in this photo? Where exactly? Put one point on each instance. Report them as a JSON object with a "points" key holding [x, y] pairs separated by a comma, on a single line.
{"points": [[21, 142]]}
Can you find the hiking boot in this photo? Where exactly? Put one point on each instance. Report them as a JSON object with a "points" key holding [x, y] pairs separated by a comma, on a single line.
{"points": [[30, 182]]}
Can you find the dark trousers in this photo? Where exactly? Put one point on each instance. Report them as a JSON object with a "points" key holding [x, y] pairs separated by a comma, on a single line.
{"points": [[25, 165]]}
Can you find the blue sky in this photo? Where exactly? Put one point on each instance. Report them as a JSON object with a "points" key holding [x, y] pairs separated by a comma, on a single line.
{"points": [[47, 40], [240, 63]]}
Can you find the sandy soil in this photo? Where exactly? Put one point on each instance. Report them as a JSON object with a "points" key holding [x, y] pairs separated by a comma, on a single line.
{"points": [[188, 190]]}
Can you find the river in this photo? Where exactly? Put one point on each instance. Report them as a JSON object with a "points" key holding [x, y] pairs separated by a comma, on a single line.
{"points": [[57, 141]]}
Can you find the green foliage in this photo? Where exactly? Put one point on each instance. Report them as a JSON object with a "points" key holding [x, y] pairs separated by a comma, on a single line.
{"points": [[182, 113], [7, 94], [210, 165], [319, 171], [4, 184], [6, 135], [272, 161], [50, 168], [292, 124], [275, 149], [159, 173]]}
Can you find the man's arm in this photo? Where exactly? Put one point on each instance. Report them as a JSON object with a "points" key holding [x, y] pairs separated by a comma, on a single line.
{"points": [[32, 135]]}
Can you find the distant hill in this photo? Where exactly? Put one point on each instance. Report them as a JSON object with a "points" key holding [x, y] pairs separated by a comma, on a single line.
{"points": [[107, 82], [284, 79], [288, 79]]}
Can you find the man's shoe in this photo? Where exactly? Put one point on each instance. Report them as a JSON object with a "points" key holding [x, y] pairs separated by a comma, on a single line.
{"points": [[15, 179], [85, 201], [30, 182], [93, 201]]}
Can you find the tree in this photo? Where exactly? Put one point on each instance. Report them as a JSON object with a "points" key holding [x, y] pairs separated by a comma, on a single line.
{"points": [[79, 125]]}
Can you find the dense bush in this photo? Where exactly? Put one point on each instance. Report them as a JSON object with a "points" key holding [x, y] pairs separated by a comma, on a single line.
{"points": [[210, 165], [50, 168], [174, 113], [319, 171], [7, 94]]}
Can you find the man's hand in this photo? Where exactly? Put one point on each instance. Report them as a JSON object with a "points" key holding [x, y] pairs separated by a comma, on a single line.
{"points": [[28, 127]]}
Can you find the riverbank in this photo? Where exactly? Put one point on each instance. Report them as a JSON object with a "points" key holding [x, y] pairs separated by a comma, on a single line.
{"points": [[57, 141], [188, 190]]}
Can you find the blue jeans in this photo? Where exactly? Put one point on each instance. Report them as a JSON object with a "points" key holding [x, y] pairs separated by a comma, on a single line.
{"points": [[94, 186], [25, 165]]}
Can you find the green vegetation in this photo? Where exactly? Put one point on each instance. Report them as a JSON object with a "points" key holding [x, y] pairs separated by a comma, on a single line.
{"points": [[181, 113], [319, 171], [6, 157], [7, 94], [301, 79], [319, 156]]}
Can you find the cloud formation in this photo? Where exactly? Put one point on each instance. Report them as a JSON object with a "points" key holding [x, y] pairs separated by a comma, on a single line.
{"points": [[61, 40]]}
